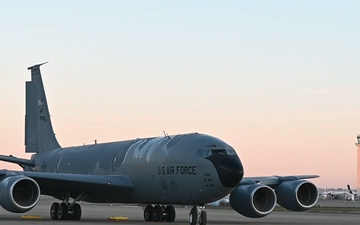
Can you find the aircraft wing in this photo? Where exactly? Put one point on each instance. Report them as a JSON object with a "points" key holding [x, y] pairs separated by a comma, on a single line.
{"points": [[55, 183], [273, 181]]}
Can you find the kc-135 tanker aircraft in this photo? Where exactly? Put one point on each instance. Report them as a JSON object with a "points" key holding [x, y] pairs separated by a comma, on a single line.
{"points": [[156, 173]]}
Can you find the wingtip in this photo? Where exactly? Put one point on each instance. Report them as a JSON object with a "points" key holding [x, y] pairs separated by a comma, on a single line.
{"points": [[36, 66]]}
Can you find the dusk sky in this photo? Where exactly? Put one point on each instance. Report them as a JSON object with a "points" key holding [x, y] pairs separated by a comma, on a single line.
{"points": [[277, 80]]}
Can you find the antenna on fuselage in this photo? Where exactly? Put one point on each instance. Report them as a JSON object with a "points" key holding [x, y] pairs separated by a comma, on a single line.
{"points": [[166, 135]]}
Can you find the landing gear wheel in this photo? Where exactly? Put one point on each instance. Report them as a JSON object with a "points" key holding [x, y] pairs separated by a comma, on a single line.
{"points": [[158, 213], [193, 216], [76, 212], [148, 213], [54, 210], [63, 211], [170, 213], [203, 218]]}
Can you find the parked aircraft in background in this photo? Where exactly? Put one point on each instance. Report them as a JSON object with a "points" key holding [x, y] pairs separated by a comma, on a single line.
{"points": [[331, 195], [348, 195], [159, 172]]}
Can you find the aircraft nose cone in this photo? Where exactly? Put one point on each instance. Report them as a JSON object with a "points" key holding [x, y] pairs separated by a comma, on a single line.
{"points": [[229, 169]]}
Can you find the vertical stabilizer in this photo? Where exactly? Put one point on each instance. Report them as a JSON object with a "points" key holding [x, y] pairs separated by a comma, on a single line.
{"points": [[39, 134]]}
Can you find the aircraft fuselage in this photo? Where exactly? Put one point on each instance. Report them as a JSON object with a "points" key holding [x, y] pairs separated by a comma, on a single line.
{"points": [[184, 169]]}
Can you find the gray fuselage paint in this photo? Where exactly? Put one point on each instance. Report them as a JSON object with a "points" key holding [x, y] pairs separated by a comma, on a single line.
{"points": [[163, 170]]}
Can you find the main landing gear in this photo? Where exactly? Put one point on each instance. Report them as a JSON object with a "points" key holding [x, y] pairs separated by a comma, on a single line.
{"points": [[197, 215], [159, 213], [65, 211]]}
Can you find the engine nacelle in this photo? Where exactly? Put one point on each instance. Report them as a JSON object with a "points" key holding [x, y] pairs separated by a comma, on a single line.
{"points": [[253, 200], [19, 193], [298, 195]]}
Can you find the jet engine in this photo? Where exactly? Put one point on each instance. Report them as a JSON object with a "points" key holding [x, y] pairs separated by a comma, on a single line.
{"points": [[253, 200], [18, 193], [298, 195]]}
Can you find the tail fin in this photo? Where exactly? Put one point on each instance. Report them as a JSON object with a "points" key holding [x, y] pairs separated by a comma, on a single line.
{"points": [[39, 134]]}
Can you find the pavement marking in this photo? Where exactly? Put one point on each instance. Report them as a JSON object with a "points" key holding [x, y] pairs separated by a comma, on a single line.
{"points": [[31, 217], [118, 218]]}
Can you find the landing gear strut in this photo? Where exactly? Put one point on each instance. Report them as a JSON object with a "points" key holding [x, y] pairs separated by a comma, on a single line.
{"points": [[159, 213], [197, 215]]}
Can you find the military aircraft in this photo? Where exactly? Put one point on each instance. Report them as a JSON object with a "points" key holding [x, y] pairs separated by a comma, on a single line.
{"points": [[156, 173]]}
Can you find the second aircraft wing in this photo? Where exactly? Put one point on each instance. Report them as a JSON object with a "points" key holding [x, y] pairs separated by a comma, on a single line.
{"points": [[273, 181]]}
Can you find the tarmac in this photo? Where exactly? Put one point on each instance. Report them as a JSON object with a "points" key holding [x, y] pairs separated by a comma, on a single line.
{"points": [[100, 214]]}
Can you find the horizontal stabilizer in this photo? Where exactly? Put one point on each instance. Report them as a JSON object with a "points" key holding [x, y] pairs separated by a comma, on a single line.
{"points": [[21, 162], [36, 66]]}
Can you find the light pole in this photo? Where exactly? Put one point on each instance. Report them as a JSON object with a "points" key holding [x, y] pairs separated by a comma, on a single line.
{"points": [[358, 163]]}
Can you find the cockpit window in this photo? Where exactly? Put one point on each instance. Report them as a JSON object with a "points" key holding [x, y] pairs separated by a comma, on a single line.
{"points": [[200, 153], [203, 153], [231, 151], [218, 152], [214, 151]]}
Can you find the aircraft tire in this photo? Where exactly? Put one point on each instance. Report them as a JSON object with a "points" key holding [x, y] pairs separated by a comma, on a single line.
{"points": [[170, 213], [148, 213], [193, 216], [53, 211], [76, 209], [158, 214], [63, 211], [203, 218]]}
